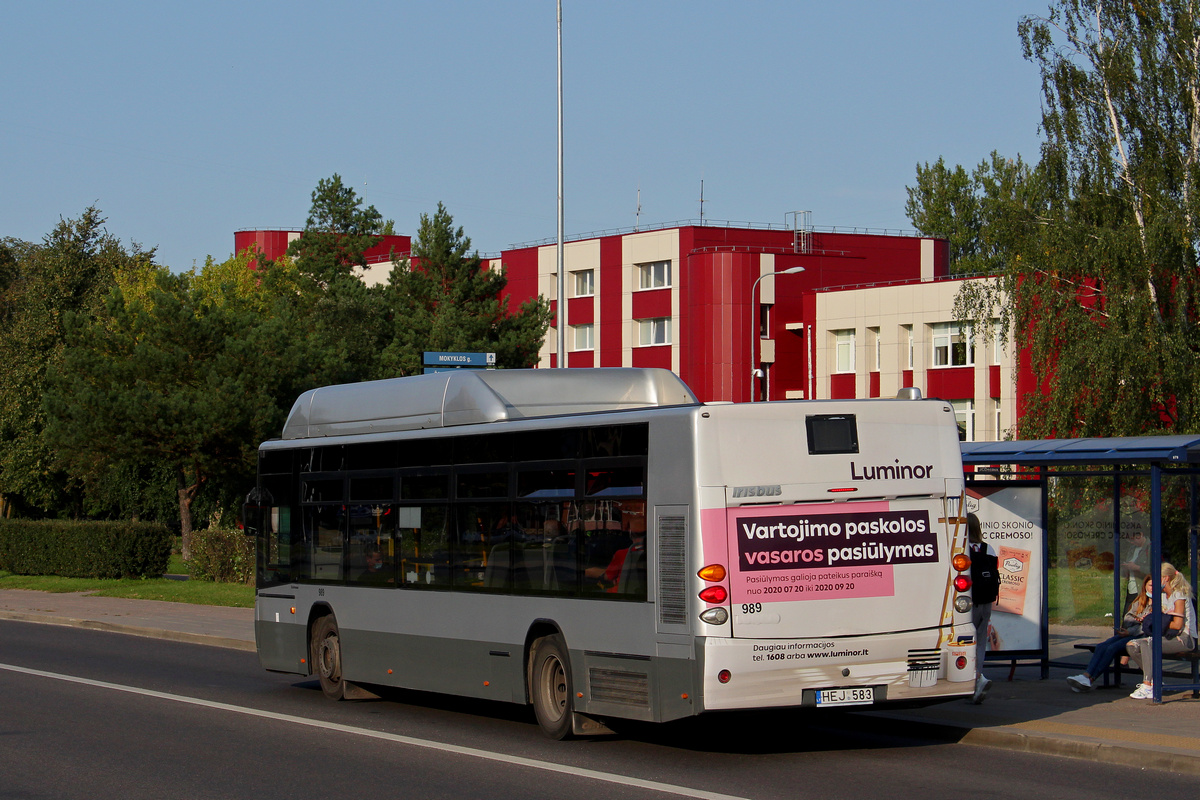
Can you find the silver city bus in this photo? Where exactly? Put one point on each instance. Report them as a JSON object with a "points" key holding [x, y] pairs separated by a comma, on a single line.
{"points": [[602, 545]]}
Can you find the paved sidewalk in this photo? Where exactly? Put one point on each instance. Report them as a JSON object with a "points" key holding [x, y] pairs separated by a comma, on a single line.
{"points": [[180, 622], [1025, 713]]}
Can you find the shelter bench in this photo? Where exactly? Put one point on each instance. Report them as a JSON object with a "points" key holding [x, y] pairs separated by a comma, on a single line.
{"points": [[1116, 669]]}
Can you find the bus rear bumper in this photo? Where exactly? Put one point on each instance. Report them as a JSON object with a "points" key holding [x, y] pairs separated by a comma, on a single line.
{"points": [[764, 673]]}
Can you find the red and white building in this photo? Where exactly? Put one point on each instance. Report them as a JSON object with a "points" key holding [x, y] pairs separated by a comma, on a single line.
{"points": [[274, 243], [868, 314]]}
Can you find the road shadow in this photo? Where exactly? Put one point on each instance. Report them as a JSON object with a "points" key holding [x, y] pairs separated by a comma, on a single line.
{"points": [[760, 732]]}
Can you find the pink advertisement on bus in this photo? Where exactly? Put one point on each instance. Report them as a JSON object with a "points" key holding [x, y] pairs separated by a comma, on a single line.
{"points": [[816, 553]]}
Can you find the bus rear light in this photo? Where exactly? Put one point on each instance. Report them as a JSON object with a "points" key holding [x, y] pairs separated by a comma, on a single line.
{"points": [[843, 489], [713, 572], [961, 562], [714, 594], [715, 616], [724, 675], [962, 604], [960, 662], [962, 583]]}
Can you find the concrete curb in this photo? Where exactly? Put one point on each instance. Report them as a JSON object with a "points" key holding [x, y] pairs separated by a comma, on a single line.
{"points": [[1013, 737], [133, 630], [1129, 755]]}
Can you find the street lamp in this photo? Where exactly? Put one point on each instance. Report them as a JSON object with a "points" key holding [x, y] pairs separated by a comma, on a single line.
{"points": [[754, 371]]}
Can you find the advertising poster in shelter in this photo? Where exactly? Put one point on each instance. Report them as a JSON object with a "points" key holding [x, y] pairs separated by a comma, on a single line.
{"points": [[1010, 517], [1085, 557]]}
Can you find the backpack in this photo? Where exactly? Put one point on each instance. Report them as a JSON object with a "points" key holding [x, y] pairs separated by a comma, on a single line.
{"points": [[985, 576]]}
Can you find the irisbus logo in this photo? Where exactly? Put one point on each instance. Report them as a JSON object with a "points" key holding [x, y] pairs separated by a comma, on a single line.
{"points": [[757, 491]]}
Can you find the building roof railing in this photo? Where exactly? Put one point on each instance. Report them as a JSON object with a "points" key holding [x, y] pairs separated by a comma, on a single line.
{"points": [[903, 282], [711, 223]]}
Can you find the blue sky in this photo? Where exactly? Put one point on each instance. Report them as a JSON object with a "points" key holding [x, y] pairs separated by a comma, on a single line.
{"points": [[184, 122]]}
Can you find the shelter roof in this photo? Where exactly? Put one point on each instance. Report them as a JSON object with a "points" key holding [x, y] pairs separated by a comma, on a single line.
{"points": [[1183, 449]]}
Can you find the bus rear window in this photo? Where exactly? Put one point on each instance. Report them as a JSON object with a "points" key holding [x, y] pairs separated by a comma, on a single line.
{"points": [[831, 433]]}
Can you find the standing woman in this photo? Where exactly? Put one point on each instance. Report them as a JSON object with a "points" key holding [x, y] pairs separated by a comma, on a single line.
{"points": [[1179, 629]]}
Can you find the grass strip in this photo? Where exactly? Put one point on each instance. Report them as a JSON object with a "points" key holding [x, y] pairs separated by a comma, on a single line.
{"points": [[203, 593]]}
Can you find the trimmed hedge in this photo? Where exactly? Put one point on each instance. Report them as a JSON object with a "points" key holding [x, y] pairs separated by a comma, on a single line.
{"points": [[84, 548], [224, 555]]}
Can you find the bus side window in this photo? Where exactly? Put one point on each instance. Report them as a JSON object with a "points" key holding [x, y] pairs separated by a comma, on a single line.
{"points": [[269, 512], [545, 558], [424, 551], [422, 527], [597, 524], [325, 539], [615, 555], [484, 552], [371, 550]]}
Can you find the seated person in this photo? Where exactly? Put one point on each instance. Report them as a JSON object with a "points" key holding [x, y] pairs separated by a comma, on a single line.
{"points": [[376, 569], [1106, 651], [1178, 630], [611, 579]]}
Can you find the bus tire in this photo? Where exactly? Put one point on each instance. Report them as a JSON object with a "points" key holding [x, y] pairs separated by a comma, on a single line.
{"points": [[550, 686], [327, 657]]}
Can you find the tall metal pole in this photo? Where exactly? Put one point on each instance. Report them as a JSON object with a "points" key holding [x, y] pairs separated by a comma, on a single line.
{"points": [[562, 275]]}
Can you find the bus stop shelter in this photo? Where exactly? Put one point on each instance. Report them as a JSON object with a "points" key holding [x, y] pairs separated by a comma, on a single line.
{"points": [[1082, 491]]}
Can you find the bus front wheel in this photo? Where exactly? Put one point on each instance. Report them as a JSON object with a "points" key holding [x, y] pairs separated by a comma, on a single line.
{"points": [[327, 657], [550, 686]]}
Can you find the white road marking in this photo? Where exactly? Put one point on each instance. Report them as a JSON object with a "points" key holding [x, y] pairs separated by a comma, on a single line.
{"points": [[470, 752]]}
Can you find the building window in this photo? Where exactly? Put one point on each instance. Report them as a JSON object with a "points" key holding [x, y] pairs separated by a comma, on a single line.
{"points": [[873, 333], [996, 346], [999, 421], [585, 337], [654, 331], [953, 345], [655, 275], [964, 415], [843, 347], [585, 282], [907, 332], [764, 321]]}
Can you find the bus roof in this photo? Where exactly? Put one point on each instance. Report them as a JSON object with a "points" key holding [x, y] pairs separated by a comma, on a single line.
{"points": [[468, 397]]}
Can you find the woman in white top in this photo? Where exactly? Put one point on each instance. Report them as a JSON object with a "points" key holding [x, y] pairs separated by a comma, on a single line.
{"points": [[1179, 629]]}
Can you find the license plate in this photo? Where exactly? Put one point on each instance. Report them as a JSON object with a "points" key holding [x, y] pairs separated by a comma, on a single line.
{"points": [[858, 696]]}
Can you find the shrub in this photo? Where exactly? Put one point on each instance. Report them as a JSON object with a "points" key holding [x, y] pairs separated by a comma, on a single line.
{"points": [[222, 554], [84, 548]]}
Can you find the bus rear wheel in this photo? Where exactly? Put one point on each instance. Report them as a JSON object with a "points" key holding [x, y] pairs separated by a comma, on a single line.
{"points": [[327, 657], [550, 686]]}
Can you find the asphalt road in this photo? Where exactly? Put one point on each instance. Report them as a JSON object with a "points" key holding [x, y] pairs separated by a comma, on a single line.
{"points": [[87, 714]]}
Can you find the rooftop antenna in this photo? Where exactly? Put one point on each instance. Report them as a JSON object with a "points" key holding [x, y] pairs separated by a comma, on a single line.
{"points": [[702, 201], [638, 215]]}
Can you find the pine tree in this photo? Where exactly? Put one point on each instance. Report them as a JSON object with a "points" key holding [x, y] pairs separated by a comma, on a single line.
{"points": [[443, 299]]}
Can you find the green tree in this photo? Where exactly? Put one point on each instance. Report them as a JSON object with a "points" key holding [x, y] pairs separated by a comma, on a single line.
{"points": [[445, 300], [973, 211], [337, 234], [186, 378], [337, 317], [1098, 281], [69, 272]]}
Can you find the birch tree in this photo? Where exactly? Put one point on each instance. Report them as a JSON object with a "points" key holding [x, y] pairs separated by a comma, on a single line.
{"points": [[1099, 285]]}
